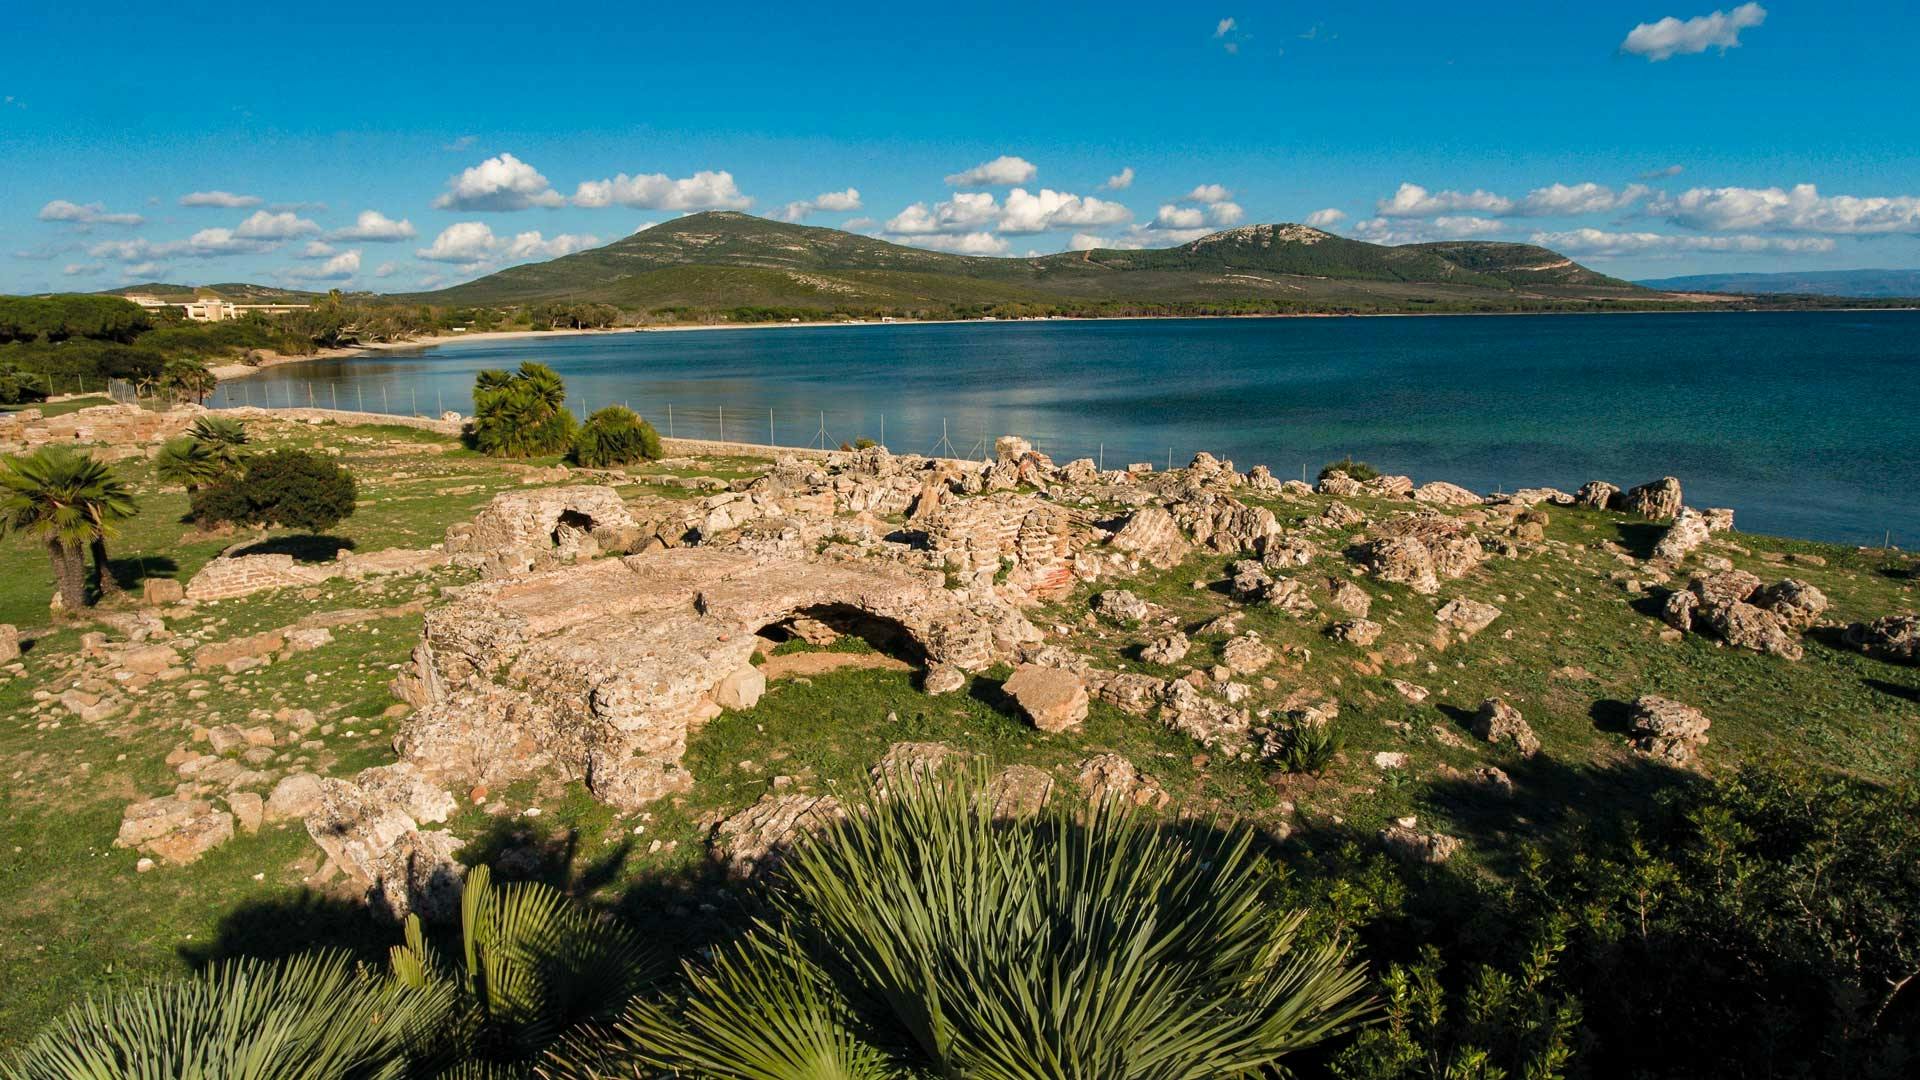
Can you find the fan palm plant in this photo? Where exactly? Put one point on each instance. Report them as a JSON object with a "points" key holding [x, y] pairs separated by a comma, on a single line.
{"points": [[225, 439], [920, 936], [521, 414], [309, 1017], [534, 967], [72, 503], [186, 461]]}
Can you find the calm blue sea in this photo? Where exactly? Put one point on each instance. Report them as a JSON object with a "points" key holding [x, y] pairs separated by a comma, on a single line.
{"points": [[1808, 424]]}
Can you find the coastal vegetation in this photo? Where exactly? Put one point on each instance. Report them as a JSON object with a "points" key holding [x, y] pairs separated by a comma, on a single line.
{"points": [[615, 435], [295, 489], [1607, 913], [522, 413]]}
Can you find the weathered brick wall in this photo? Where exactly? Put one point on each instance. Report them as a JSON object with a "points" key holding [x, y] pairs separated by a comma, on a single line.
{"points": [[101, 425], [229, 577]]}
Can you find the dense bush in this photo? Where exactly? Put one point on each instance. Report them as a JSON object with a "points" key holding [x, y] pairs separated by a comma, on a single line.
{"points": [[615, 435], [21, 387], [1357, 470], [292, 488], [71, 315], [521, 413]]}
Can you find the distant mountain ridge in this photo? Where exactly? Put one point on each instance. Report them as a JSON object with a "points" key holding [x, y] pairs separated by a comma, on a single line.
{"points": [[725, 259], [1870, 284]]}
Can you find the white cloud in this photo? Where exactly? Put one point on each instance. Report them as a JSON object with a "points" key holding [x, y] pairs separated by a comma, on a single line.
{"points": [[85, 214], [1003, 171], [1170, 216], [1327, 218], [1121, 180], [530, 245], [1384, 230], [262, 225], [224, 199], [1086, 242], [386, 269], [1663, 174], [1554, 200], [1673, 37], [317, 249], [704, 190], [81, 269], [1224, 27], [1208, 193], [339, 268], [1798, 209], [1412, 200], [1596, 242], [1561, 200], [464, 142], [375, 227], [965, 212], [1032, 213], [831, 202], [205, 244], [973, 243], [498, 184], [1224, 213], [464, 243]]}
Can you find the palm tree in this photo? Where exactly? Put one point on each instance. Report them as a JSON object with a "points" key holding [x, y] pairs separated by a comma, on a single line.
{"points": [[186, 461], [920, 936], [522, 414], [71, 502], [188, 378], [225, 439]]}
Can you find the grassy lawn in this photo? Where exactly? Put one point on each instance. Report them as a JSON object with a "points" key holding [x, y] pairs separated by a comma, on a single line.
{"points": [[1569, 646]]}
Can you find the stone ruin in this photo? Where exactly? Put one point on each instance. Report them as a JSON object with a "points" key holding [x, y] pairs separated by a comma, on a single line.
{"points": [[522, 531], [600, 671]]}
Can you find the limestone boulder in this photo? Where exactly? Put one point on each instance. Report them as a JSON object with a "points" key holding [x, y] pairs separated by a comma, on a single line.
{"points": [[1658, 500], [1441, 493], [175, 829], [1796, 603], [1399, 559], [1122, 606], [1500, 723], [1112, 776], [1668, 730], [1466, 617], [758, 839], [1361, 632], [1052, 699], [1170, 649], [1688, 531], [1152, 535], [1890, 637], [1345, 596], [1597, 495]]}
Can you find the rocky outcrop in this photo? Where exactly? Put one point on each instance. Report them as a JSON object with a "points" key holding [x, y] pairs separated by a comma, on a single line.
{"points": [[522, 531], [599, 671], [1404, 840], [1052, 699], [1658, 500], [757, 839], [1734, 606], [1667, 730], [1890, 637], [1419, 550], [1597, 495], [1154, 537], [1441, 493], [1688, 531], [176, 829], [1500, 723], [1466, 617], [370, 828]]}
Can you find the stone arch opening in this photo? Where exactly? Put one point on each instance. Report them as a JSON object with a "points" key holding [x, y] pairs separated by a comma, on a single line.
{"points": [[826, 625], [570, 525]]}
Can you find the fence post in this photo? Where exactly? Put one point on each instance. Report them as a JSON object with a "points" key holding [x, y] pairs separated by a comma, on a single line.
{"points": [[669, 419], [769, 427]]}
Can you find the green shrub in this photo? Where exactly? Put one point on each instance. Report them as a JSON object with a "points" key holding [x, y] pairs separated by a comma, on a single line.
{"points": [[292, 488], [1357, 470], [615, 435], [21, 387], [521, 413], [920, 936], [1308, 748]]}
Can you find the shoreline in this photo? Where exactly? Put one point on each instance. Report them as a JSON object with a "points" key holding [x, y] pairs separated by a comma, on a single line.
{"points": [[239, 370]]}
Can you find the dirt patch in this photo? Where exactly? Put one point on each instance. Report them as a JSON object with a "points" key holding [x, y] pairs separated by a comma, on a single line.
{"points": [[819, 663]]}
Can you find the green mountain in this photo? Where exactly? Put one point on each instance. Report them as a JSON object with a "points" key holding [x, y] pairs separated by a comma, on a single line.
{"points": [[235, 291], [724, 260]]}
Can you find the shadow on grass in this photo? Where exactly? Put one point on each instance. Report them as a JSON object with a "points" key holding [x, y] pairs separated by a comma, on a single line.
{"points": [[303, 547], [133, 572], [304, 921], [1905, 693]]}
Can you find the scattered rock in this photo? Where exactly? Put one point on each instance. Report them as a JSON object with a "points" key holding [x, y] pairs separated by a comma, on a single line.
{"points": [[1688, 531], [1405, 842], [1345, 596], [1170, 649], [1890, 637], [1466, 617], [1111, 776], [1658, 500], [1498, 722], [175, 829], [1668, 730], [944, 679], [1054, 700], [1247, 655], [741, 689], [759, 838], [1019, 791], [1122, 606], [1361, 632]]}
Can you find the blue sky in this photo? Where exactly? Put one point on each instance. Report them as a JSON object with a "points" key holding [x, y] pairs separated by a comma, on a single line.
{"points": [[372, 146]]}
